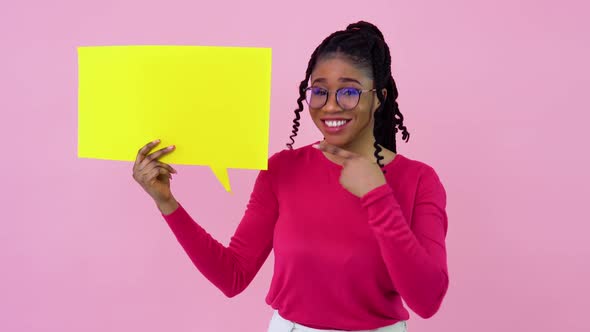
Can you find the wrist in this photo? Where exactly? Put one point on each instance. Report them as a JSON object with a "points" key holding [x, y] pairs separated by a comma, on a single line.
{"points": [[168, 206]]}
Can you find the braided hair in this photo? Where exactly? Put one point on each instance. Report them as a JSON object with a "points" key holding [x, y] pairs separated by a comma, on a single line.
{"points": [[364, 45]]}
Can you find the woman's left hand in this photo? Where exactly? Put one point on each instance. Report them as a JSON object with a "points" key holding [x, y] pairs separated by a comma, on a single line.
{"points": [[359, 174]]}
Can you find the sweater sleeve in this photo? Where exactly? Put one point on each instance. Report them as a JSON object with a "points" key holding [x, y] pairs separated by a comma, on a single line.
{"points": [[232, 268], [415, 256]]}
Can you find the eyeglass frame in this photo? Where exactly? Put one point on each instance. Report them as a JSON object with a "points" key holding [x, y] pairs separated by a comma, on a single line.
{"points": [[360, 91]]}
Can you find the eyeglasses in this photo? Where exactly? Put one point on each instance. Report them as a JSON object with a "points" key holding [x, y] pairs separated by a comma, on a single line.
{"points": [[346, 98]]}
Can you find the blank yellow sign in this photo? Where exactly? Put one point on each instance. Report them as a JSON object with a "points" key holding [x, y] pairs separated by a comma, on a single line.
{"points": [[213, 103]]}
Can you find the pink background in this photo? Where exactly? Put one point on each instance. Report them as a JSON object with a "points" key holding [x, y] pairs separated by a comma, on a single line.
{"points": [[494, 95]]}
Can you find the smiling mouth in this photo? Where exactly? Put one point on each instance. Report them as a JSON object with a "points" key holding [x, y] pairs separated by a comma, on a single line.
{"points": [[335, 123]]}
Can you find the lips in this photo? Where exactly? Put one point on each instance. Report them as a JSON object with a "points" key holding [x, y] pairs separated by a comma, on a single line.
{"points": [[334, 125], [332, 121], [326, 119]]}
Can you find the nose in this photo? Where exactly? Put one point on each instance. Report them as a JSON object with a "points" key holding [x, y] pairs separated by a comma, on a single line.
{"points": [[331, 105]]}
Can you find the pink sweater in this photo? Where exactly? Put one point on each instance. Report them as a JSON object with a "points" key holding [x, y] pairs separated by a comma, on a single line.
{"points": [[341, 262]]}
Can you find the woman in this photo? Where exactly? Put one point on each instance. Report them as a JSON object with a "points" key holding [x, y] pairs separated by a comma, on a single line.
{"points": [[355, 227]]}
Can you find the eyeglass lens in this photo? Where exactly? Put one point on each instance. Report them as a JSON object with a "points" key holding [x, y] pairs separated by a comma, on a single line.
{"points": [[347, 98]]}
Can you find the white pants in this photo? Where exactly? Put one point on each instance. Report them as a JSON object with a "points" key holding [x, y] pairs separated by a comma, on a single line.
{"points": [[280, 324]]}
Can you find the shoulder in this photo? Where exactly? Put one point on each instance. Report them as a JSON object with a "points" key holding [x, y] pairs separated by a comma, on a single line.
{"points": [[417, 167], [418, 174], [286, 158], [287, 166], [428, 182]]}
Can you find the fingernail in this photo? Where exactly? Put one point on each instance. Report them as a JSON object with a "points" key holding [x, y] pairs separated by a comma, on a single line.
{"points": [[317, 146], [171, 147], [156, 141]]}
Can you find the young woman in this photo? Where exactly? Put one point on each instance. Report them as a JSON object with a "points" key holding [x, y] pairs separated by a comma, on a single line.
{"points": [[355, 227]]}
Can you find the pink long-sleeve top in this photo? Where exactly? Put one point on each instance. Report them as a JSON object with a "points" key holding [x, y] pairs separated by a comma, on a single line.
{"points": [[341, 262]]}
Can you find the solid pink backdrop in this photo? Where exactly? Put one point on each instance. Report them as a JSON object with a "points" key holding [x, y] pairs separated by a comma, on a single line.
{"points": [[493, 94]]}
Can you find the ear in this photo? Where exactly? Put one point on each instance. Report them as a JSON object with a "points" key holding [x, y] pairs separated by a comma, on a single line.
{"points": [[378, 103], [384, 93]]}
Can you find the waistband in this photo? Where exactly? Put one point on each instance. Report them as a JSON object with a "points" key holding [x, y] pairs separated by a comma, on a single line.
{"points": [[280, 324]]}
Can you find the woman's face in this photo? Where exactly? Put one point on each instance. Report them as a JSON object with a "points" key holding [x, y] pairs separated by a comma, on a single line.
{"points": [[339, 126]]}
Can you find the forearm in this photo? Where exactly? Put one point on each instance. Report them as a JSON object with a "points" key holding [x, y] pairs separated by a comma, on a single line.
{"points": [[420, 278], [417, 267], [209, 256]]}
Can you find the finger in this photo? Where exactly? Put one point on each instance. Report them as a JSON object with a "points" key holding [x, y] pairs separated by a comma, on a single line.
{"points": [[154, 173], [335, 150], [155, 156], [144, 151], [144, 174], [156, 163]]}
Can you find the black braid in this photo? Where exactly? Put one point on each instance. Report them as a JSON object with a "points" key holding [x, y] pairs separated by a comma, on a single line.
{"points": [[303, 85], [364, 44]]}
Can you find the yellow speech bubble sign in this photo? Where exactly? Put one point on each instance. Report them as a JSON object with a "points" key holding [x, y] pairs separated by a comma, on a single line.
{"points": [[213, 103]]}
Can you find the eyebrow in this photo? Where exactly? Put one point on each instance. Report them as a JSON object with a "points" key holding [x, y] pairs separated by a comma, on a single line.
{"points": [[341, 79]]}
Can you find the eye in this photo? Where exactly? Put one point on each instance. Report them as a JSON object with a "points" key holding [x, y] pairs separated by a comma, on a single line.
{"points": [[318, 91], [348, 92]]}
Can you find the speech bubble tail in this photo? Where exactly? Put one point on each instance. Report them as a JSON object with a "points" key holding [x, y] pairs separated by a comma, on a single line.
{"points": [[221, 174]]}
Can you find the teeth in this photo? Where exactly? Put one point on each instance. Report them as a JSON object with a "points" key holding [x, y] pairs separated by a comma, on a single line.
{"points": [[331, 123]]}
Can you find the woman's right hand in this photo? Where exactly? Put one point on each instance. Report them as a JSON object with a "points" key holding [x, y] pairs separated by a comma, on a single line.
{"points": [[154, 176]]}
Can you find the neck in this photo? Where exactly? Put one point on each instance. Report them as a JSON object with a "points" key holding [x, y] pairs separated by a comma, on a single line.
{"points": [[364, 148]]}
